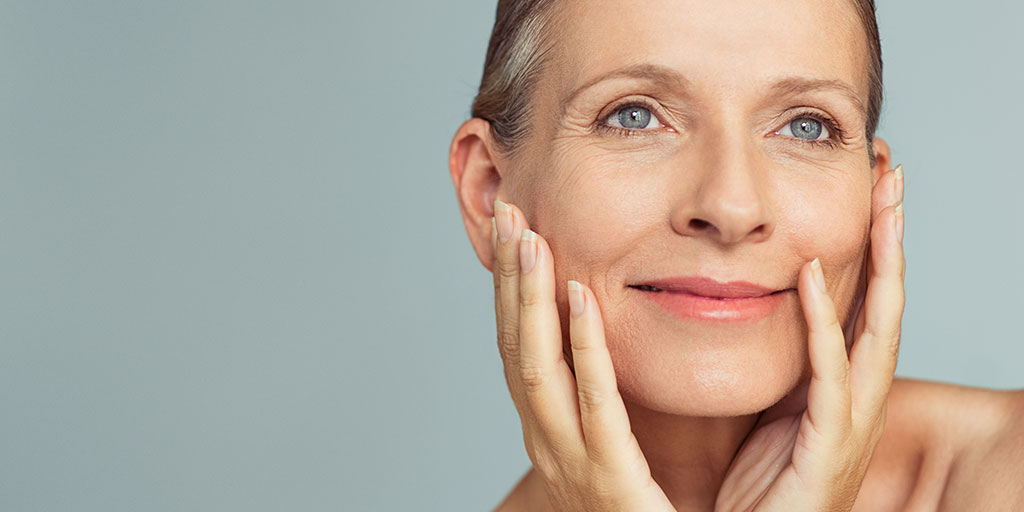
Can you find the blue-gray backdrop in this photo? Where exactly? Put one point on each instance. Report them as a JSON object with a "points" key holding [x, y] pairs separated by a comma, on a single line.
{"points": [[233, 275]]}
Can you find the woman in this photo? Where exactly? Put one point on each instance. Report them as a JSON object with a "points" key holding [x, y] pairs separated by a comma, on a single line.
{"points": [[696, 242]]}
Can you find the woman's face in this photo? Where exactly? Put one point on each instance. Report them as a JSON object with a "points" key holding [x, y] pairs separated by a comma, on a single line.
{"points": [[664, 145]]}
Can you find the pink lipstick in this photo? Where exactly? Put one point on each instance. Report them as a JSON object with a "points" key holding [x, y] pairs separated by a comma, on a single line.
{"points": [[703, 298]]}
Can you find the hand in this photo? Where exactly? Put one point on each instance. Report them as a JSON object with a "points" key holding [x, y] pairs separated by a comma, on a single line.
{"points": [[809, 455], [815, 458], [576, 430]]}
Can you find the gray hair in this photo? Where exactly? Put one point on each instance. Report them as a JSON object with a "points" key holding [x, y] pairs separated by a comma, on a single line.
{"points": [[515, 57]]}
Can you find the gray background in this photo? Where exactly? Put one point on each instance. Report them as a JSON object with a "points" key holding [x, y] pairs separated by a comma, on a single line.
{"points": [[233, 275]]}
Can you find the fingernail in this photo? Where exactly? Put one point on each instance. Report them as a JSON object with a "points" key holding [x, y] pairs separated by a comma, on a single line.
{"points": [[819, 275], [494, 237], [898, 213], [897, 183], [576, 299], [527, 250], [503, 214]]}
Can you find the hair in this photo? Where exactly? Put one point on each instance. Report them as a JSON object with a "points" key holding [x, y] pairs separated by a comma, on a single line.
{"points": [[517, 54]]}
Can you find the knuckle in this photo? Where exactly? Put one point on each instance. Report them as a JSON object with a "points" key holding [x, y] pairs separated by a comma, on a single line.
{"points": [[533, 375], [580, 344], [893, 347], [507, 271], [508, 344], [591, 399], [889, 337], [832, 324], [528, 299]]}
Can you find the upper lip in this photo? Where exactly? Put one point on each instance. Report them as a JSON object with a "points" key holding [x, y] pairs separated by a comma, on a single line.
{"points": [[707, 287]]}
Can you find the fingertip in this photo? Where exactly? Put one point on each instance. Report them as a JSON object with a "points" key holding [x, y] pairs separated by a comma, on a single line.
{"points": [[577, 299], [887, 237], [542, 247], [527, 250], [814, 295], [818, 275], [506, 216], [520, 216]]}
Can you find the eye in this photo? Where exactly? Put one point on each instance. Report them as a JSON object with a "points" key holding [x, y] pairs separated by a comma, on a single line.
{"points": [[633, 117], [807, 128]]}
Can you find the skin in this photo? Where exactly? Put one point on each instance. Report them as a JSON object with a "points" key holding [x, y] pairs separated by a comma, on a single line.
{"points": [[627, 407]]}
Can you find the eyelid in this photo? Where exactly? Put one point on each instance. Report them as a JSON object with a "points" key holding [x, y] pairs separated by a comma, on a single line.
{"points": [[657, 112], [836, 133]]}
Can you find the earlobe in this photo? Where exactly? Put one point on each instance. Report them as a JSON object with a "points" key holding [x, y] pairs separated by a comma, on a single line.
{"points": [[476, 175]]}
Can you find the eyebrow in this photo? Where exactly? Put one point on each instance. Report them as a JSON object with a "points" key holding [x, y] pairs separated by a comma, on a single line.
{"points": [[794, 85], [786, 86], [649, 72]]}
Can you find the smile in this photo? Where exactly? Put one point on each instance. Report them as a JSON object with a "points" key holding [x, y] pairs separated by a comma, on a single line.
{"points": [[705, 299]]}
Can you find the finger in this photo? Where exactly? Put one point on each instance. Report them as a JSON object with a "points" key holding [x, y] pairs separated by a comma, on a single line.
{"points": [[609, 440], [876, 352], [506, 278], [858, 324], [888, 191], [548, 383], [828, 397], [885, 192], [494, 273], [898, 179]]}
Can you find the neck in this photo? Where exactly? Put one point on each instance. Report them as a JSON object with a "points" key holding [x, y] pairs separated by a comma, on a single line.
{"points": [[689, 456]]}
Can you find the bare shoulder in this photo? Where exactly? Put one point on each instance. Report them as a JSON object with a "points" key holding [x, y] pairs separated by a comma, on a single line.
{"points": [[945, 447], [948, 447], [952, 415], [988, 472]]}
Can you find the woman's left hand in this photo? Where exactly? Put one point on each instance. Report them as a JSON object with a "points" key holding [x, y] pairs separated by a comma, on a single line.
{"points": [[815, 458]]}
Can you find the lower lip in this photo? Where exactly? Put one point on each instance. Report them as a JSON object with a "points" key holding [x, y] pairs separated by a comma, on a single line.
{"points": [[709, 308]]}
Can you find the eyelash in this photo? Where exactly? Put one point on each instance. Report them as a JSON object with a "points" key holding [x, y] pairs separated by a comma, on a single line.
{"points": [[602, 125], [835, 132]]}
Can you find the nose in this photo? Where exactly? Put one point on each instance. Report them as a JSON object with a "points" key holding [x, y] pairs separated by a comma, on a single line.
{"points": [[726, 199]]}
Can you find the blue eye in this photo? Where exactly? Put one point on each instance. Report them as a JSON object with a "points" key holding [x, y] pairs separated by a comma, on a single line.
{"points": [[806, 128], [633, 117], [636, 118]]}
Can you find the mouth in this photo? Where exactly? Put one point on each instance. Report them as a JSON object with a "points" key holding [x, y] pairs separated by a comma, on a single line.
{"points": [[706, 299], [725, 296]]}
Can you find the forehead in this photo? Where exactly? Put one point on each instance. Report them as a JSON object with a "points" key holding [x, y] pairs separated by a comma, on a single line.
{"points": [[722, 47]]}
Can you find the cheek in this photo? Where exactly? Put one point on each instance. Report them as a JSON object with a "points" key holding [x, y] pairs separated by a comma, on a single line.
{"points": [[594, 207], [833, 226]]}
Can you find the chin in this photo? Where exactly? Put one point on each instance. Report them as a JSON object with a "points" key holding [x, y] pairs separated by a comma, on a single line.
{"points": [[709, 369], [714, 391]]}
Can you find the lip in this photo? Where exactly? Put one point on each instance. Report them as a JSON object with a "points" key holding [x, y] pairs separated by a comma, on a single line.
{"points": [[704, 298]]}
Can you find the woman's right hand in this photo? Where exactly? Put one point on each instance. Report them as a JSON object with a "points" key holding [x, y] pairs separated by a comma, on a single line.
{"points": [[575, 429]]}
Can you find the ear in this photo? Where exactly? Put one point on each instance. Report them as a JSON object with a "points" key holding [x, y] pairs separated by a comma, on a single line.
{"points": [[883, 159], [476, 173]]}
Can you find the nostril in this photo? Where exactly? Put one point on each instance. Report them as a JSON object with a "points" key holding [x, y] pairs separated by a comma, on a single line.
{"points": [[699, 224]]}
